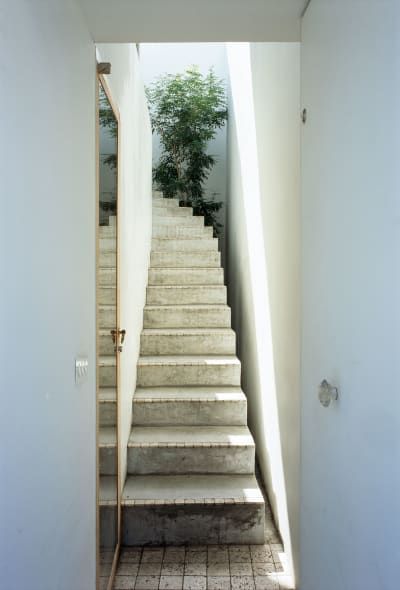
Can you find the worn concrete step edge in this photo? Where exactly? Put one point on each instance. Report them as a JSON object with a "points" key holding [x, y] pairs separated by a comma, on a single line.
{"points": [[172, 341], [186, 276]]}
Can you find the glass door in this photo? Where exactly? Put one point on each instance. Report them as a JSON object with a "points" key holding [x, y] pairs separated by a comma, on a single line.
{"points": [[108, 341]]}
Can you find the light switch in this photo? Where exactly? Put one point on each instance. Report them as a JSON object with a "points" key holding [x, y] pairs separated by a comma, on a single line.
{"points": [[81, 369]]}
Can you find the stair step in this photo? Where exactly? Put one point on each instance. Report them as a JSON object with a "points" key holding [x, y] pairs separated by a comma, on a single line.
{"points": [[187, 316], [107, 295], [207, 258], [108, 243], [197, 406], [107, 450], [107, 406], [107, 231], [193, 449], [107, 316], [162, 211], [107, 370], [186, 294], [107, 258], [194, 220], [105, 343], [192, 509], [164, 202], [186, 276], [182, 231], [173, 341], [184, 244], [108, 511], [107, 276], [188, 370]]}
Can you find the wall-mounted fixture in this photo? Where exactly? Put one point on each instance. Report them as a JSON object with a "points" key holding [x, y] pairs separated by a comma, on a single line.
{"points": [[103, 68], [304, 115], [327, 393]]}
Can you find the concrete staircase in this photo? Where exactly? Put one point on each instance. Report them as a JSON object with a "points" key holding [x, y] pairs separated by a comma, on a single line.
{"points": [[107, 385], [190, 454]]}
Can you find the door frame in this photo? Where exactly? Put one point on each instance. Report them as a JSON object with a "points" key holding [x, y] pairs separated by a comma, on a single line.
{"points": [[100, 79]]}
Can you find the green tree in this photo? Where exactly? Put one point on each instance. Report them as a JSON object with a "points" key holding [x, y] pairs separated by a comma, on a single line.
{"points": [[186, 110]]}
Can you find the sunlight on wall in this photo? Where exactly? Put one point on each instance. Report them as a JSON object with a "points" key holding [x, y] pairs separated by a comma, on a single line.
{"points": [[243, 117]]}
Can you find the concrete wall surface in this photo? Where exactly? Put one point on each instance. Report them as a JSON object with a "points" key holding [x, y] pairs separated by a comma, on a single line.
{"points": [[350, 490], [160, 58], [47, 422], [135, 204], [263, 261]]}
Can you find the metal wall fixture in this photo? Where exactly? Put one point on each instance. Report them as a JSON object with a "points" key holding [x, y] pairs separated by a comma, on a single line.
{"points": [[327, 393]]}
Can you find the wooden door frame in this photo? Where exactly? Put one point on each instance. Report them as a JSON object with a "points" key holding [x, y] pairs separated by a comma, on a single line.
{"points": [[100, 79]]}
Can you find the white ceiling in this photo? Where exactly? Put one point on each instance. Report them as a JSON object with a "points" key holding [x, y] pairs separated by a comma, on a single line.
{"points": [[140, 21]]}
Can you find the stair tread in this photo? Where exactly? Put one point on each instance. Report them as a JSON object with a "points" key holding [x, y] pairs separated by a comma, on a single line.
{"points": [[188, 360], [185, 331], [193, 306], [191, 436], [107, 360], [222, 394], [107, 436], [167, 489]]}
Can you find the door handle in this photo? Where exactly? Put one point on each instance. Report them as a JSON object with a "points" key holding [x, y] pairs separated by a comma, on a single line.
{"points": [[118, 338]]}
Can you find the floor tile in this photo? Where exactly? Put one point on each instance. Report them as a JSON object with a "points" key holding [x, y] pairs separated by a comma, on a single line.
{"points": [[149, 569], [263, 568], [174, 557], [242, 583], [218, 569], [196, 557], [241, 569], [194, 583], [127, 568], [172, 569], [131, 555], [171, 582], [195, 569], [218, 583], [217, 555], [147, 582], [152, 555], [124, 582], [265, 583]]}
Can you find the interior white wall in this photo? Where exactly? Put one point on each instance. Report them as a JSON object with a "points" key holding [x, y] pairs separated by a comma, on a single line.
{"points": [[48, 424], [350, 487], [135, 204], [263, 261], [159, 58]]}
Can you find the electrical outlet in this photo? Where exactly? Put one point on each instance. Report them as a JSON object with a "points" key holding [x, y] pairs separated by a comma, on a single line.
{"points": [[81, 369]]}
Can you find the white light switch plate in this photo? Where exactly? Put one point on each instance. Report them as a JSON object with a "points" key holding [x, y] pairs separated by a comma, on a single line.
{"points": [[81, 369]]}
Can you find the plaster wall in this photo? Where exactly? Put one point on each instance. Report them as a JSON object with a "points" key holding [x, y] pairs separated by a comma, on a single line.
{"points": [[159, 58], [350, 486], [135, 215], [263, 262], [47, 422]]}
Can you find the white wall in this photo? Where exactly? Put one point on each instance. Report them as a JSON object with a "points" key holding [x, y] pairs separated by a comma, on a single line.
{"points": [[263, 261], [160, 58], [48, 424], [350, 491], [135, 204]]}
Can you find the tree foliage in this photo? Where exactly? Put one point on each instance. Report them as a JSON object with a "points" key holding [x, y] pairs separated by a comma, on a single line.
{"points": [[108, 121], [186, 111]]}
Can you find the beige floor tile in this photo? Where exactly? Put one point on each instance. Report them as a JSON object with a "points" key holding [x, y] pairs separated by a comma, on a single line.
{"points": [[150, 555], [171, 582], [263, 568], [218, 583], [124, 582], [174, 557], [196, 557], [242, 583], [149, 569], [218, 569], [195, 569], [172, 569], [127, 568], [241, 569], [147, 582], [194, 583], [265, 583]]}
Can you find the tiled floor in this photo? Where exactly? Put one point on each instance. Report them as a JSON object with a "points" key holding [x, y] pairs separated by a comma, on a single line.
{"points": [[210, 567]]}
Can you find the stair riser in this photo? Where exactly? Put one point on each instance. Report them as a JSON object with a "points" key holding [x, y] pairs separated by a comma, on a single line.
{"points": [[182, 231], [186, 295], [185, 259], [107, 232], [107, 276], [190, 413], [107, 376], [193, 524], [165, 317], [108, 527], [107, 296], [159, 212], [194, 220], [107, 317], [190, 460], [189, 276], [108, 413], [182, 375], [106, 345], [166, 203], [182, 245], [107, 259], [187, 344], [107, 460], [108, 243]]}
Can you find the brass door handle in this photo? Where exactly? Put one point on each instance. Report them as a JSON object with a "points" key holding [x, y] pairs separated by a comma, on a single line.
{"points": [[118, 337]]}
